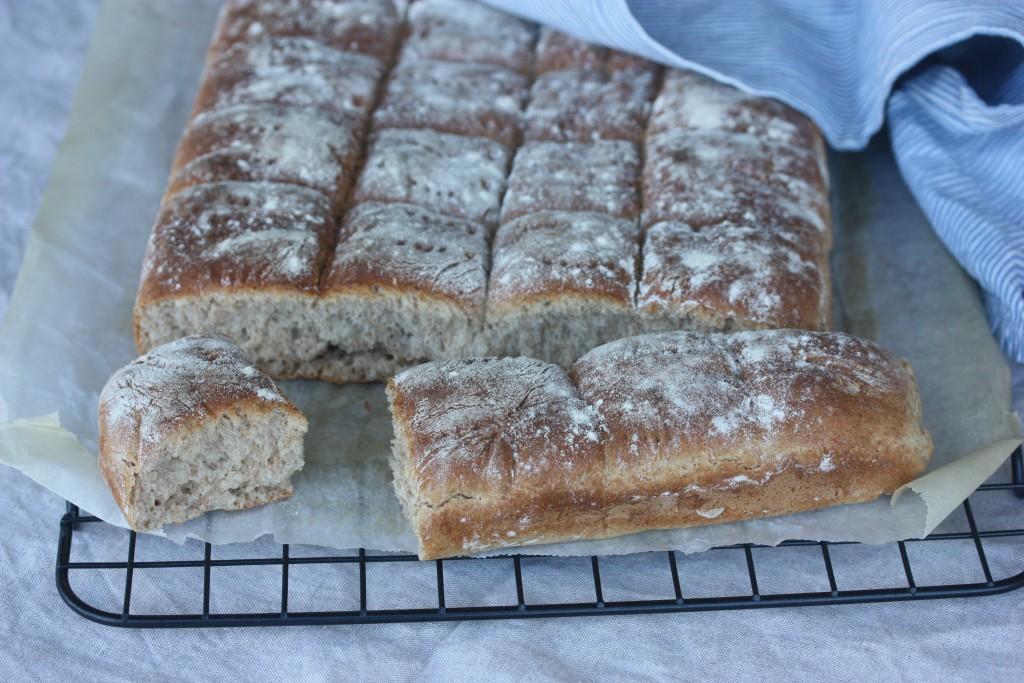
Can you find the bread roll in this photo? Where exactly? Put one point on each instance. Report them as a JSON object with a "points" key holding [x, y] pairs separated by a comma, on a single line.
{"points": [[476, 100], [583, 105], [650, 432], [467, 31], [369, 27], [561, 283], [268, 143], [194, 426], [450, 174], [399, 268], [732, 277], [591, 177]]}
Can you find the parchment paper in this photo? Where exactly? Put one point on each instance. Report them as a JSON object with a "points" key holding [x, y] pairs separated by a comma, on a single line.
{"points": [[68, 326]]}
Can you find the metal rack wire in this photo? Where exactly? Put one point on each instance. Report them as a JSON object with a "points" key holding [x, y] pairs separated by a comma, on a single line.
{"points": [[901, 587]]}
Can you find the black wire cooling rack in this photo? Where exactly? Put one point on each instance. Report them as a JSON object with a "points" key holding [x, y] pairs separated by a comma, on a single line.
{"points": [[296, 602]]}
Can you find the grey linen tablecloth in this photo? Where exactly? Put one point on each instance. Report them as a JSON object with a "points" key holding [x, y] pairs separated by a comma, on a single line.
{"points": [[41, 46]]}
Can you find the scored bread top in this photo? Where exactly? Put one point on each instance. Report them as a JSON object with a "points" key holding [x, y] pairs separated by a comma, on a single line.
{"points": [[689, 101], [237, 236], [296, 72], [266, 143], [181, 383], [451, 174], [597, 176], [553, 253], [467, 99], [765, 391], [365, 26], [483, 427], [708, 178], [582, 105], [404, 247], [733, 276]]}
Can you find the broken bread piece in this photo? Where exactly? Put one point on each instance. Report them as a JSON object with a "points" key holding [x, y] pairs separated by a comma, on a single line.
{"points": [[194, 426]]}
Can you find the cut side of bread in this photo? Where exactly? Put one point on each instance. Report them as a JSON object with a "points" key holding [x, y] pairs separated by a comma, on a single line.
{"points": [[195, 426], [656, 431]]}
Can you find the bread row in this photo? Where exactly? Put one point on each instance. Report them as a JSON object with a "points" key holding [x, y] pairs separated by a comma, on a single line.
{"points": [[658, 431], [652, 432], [360, 190]]}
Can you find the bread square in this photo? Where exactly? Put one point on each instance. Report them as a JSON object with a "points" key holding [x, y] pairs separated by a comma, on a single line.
{"points": [[467, 99], [557, 51], [581, 105], [194, 426], [706, 178], [366, 26], [731, 277], [466, 31], [398, 268], [689, 101], [453, 175], [598, 177], [242, 259], [561, 284], [487, 448], [269, 143], [296, 72]]}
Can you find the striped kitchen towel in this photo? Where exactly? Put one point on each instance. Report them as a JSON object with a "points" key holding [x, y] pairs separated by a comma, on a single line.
{"points": [[947, 75]]}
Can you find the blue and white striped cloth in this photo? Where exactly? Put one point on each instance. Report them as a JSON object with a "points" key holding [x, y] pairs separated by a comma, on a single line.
{"points": [[947, 75]]}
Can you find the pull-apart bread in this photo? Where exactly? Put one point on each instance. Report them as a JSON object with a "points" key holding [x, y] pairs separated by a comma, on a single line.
{"points": [[194, 426], [657, 431], [366, 185]]}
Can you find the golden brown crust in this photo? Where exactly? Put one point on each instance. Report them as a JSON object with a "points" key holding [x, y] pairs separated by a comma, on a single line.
{"points": [[683, 429]]}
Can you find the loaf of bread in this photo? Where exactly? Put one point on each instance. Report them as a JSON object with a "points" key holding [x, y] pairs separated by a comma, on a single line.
{"points": [[194, 426], [655, 431], [365, 186]]}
